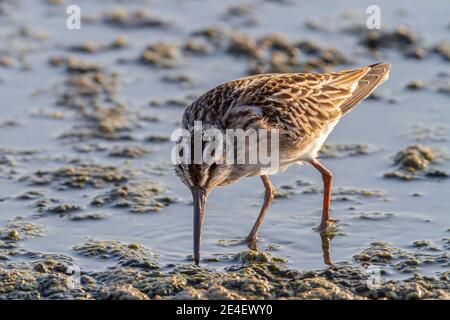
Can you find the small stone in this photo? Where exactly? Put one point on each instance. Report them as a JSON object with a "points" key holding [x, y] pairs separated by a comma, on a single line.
{"points": [[120, 42], [416, 85], [13, 235]]}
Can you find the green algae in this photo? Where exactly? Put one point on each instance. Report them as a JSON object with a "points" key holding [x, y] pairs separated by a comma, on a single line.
{"points": [[345, 150], [122, 292], [80, 176], [138, 197], [31, 195], [64, 208], [126, 255], [376, 216], [403, 260], [87, 216], [415, 162], [253, 275], [128, 152], [162, 55], [134, 19], [348, 194], [18, 230]]}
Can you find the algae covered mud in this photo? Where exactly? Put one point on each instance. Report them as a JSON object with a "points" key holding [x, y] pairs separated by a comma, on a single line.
{"points": [[91, 209]]}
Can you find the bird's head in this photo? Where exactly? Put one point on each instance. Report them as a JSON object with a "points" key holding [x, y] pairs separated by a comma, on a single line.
{"points": [[201, 166], [200, 179]]}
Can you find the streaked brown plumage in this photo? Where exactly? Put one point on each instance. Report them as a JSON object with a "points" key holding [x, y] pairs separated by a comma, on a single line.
{"points": [[304, 107]]}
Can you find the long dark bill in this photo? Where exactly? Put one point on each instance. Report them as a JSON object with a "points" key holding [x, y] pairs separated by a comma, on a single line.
{"points": [[199, 214]]}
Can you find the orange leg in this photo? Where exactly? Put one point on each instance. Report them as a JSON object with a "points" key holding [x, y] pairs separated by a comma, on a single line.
{"points": [[327, 178], [268, 197]]}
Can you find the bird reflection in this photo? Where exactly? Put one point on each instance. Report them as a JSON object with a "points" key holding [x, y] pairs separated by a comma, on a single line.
{"points": [[325, 239]]}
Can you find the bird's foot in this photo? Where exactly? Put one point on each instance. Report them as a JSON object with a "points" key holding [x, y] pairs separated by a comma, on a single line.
{"points": [[252, 242], [328, 226]]}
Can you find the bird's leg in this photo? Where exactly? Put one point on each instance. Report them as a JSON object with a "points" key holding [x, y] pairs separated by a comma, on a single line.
{"points": [[268, 197], [326, 177]]}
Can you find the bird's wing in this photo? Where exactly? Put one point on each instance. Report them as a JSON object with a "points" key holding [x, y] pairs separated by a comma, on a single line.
{"points": [[298, 104], [377, 74]]}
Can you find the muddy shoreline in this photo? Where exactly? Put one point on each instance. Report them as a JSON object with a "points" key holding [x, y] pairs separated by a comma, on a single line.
{"points": [[136, 275]]}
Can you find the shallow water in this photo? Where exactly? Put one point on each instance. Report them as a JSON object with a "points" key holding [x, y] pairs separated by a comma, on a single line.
{"points": [[231, 211]]}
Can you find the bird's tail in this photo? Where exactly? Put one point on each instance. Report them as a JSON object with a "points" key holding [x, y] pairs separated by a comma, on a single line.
{"points": [[376, 75]]}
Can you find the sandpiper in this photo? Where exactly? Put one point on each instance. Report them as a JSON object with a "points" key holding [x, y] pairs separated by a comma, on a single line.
{"points": [[303, 107]]}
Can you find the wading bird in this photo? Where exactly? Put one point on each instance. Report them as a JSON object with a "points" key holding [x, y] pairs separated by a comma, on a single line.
{"points": [[303, 107]]}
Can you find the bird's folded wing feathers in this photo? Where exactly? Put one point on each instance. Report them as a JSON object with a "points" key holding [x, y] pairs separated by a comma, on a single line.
{"points": [[376, 75], [299, 104]]}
